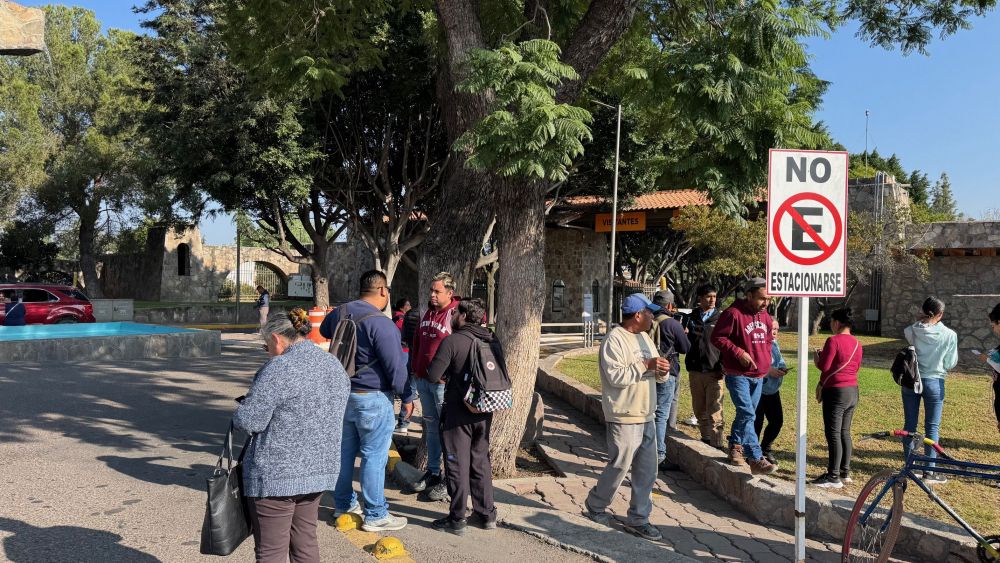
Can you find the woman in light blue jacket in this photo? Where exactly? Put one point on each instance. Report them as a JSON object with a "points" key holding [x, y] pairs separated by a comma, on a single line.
{"points": [[937, 352]]}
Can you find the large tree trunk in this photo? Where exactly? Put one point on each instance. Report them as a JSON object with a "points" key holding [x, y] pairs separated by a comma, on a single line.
{"points": [[521, 234], [88, 262]]}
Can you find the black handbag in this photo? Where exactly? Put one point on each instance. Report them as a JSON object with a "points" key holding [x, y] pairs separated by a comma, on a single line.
{"points": [[227, 519]]}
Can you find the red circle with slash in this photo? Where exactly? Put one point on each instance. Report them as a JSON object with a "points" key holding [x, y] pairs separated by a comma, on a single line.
{"points": [[826, 249]]}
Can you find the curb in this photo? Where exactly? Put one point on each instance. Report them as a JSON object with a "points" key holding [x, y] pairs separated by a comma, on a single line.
{"points": [[767, 500]]}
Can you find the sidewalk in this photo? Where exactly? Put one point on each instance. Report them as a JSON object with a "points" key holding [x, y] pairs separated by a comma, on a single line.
{"points": [[694, 522]]}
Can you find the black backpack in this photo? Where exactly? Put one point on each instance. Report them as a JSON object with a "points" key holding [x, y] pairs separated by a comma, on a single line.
{"points": [[489, 383], [906, 371], [344, 344]]}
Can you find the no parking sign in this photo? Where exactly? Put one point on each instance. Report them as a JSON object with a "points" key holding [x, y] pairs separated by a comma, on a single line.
{"points": [[807, 223]]}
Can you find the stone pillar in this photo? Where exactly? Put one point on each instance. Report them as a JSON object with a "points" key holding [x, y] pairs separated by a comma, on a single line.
{"points": [[22, 30]]}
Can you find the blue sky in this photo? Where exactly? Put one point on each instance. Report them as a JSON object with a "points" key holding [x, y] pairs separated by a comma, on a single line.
{"points": [[939, 113]]}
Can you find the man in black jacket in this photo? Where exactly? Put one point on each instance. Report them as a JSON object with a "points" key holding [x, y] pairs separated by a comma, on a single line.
{"points": [[668, 335], [704, 367], [465, 436]]}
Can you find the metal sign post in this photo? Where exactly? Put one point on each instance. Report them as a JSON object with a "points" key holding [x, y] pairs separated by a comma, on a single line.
{"points": [[806, 257]]}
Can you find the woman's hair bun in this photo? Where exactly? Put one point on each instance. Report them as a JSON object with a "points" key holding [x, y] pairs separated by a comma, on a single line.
{"points": [[300, 320]]}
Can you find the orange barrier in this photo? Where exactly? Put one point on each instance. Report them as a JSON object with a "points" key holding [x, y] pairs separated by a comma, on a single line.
{"points": [[316, 316]]}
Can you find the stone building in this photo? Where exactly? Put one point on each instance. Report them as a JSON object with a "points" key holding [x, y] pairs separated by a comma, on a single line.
{"points": [[963, 258]]}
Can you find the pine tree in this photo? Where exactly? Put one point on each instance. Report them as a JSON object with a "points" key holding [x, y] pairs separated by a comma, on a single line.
{"points": [[919, 186], [942, 200]]}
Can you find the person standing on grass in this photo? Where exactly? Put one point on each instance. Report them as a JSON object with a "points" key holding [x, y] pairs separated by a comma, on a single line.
{"points": [[668, 335], [743, 336], [434, 327], [992, 360], [769, 407], [629, 365], [937, 352], [839, 362], [465, 435], [705, 368]]}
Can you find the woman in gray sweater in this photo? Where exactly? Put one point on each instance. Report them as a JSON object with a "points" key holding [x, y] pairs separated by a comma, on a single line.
{"points": [[294, 411]]}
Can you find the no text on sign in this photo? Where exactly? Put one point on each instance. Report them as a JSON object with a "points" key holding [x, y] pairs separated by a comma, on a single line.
{"points": [[807, 212]]}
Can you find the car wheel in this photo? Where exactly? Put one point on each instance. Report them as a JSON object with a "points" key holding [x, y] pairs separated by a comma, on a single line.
{"points": [[67, 321]]}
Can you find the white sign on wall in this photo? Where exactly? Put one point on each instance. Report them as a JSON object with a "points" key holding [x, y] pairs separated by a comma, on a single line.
{"points": [[807, 223], [588, 305], [300, 286]]}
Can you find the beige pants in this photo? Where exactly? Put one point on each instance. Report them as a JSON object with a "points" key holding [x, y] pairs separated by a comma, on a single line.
{"points": [[707, 389], [263, 316]]}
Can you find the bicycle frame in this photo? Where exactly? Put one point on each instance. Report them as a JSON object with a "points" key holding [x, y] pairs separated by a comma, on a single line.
{"points": [[944, 464]]}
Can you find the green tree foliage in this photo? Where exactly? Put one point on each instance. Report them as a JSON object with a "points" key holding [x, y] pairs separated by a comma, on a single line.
{"points": [[528, 134], [943, 203], [26, 247], [85, 100], [919, 189], [24, 140]]}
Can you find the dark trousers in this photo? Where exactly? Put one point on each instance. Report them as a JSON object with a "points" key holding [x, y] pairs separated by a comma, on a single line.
{"points": [[467, 468], [838, 412], [284, 528], [769, 408]]}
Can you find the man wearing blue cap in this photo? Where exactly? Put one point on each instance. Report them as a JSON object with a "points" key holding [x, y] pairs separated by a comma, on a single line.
{"points": [[630, 365]]}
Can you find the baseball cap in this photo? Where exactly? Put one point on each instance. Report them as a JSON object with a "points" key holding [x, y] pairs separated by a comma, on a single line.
{"points": [[756, 283], [663, 298], [637, 302]]}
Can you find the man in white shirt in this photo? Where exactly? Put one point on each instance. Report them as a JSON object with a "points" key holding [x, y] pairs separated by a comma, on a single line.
{"points": [[630, 365]]}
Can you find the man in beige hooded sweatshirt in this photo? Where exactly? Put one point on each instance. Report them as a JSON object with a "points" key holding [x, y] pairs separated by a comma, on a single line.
{"points": [[630, 365]]}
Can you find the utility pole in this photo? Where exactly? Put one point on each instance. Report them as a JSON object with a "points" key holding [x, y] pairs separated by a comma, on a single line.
{"points": [[867, 113]]}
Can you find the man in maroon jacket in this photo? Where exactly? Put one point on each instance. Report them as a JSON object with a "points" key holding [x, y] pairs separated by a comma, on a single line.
{"points": [[743, 337], [434, 327]]}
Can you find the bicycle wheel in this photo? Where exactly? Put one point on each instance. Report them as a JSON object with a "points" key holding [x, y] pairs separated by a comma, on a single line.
{"points": [[872, 537]]}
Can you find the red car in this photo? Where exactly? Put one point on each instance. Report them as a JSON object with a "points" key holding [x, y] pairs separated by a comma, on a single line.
{"points": [[49, 303]]}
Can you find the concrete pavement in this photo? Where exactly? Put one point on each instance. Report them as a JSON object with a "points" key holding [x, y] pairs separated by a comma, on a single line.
{"points": [[108, 463]]}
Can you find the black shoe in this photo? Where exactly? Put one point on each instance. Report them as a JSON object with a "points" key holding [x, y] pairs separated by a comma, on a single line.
{"points": [[428, 480], [667, 465], [435, 492], [446, 524], [828, 481], [484, 522], [770, 458]]}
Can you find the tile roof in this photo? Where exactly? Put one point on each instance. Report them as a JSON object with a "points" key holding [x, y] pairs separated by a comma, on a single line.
{"points": [[667, 199]]}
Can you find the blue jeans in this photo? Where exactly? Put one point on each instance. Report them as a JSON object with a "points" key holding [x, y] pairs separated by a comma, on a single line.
{"points": [[431, 399], [665, 393], [368, 426], [933, 397], [745, 392]]}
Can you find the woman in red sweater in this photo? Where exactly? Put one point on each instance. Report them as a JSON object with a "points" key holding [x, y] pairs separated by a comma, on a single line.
{"points": [[838, 362]]}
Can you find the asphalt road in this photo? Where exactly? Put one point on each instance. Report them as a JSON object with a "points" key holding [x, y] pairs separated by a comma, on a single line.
{"points": [[107, 462]]}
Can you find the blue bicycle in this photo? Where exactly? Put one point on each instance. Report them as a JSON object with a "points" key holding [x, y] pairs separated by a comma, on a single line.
{"points": [[874, 523]]}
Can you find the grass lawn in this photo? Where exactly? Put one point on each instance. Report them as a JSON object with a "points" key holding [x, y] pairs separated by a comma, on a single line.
{"points": [[968, 428]]}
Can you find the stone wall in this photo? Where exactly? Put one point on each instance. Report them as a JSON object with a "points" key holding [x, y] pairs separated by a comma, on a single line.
{"points": [[348, 260], [968, 286], [577, 258], [210, 266], [190, 344], [127, 276]]}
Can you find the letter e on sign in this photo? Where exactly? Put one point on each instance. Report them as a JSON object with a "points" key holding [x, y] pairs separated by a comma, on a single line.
{"points": [[806, 223]]}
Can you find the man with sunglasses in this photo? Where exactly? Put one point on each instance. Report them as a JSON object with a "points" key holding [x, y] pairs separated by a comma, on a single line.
{"points": [[369, 419]]}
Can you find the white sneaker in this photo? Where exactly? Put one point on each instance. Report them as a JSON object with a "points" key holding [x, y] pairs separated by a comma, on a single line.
{"points": [[693, 421], [388, 524], [934, 479], [354, 509]]}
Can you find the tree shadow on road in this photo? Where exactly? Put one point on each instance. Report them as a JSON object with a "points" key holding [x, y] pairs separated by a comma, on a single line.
{"points": [[56, 544]]}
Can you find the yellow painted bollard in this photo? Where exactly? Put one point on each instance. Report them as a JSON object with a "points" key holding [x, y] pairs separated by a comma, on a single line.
{"points": [[388, 548], [394, 458], [349, 521]]}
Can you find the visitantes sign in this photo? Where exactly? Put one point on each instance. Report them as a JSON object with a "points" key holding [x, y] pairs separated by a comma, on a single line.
{"points": [[630, 221], [807, 223]]}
